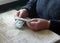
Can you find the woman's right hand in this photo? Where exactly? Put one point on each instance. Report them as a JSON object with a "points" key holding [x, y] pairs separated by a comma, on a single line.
{"points": [[22, 13]]}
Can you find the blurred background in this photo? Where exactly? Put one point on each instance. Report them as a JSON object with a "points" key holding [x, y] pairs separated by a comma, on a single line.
{"points": [[6, 5]]}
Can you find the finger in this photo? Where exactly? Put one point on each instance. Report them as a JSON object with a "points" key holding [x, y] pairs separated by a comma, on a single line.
{"points": [[28, 25], [34, 23], [34, 20], [17, 13], [35, 26], [20, 14], [32, 26]]}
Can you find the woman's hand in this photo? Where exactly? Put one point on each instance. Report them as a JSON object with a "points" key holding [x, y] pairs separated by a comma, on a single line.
{"points": [[22, 13], [38, 24]]}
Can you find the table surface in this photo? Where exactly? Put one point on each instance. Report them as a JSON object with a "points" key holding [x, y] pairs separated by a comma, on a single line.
{"points": [[10, 34]]}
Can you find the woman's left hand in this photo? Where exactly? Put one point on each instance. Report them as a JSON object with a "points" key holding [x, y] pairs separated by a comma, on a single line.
{"points": [[38, 24]]}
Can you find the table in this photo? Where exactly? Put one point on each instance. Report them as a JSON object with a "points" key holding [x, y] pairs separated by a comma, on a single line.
{"points": [[10, 34]]}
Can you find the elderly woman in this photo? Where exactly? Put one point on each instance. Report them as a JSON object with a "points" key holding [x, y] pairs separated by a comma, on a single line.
{"points": [[44, 14]]}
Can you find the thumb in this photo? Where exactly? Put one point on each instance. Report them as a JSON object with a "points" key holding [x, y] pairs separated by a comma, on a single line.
{"points": [[20, 14]]}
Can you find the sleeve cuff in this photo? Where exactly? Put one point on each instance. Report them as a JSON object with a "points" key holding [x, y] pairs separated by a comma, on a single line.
{"points": [[54, 26]]}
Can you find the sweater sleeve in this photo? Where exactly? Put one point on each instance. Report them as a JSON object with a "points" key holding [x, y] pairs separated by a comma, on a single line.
{"points": [[30, 4], [31, 8], [55, 26]]}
